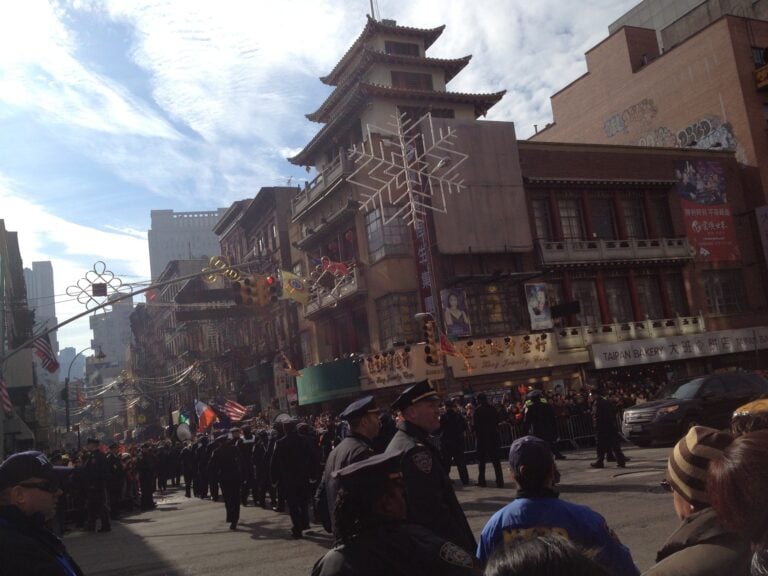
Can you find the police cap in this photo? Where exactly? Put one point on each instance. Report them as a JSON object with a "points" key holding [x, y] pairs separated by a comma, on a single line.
{"points": [[420, 391], [359, 408], [371, 470]]}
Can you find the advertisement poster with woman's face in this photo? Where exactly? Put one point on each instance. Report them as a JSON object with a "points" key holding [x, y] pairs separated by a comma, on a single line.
{"points": [[455, 314], [538, 306]]}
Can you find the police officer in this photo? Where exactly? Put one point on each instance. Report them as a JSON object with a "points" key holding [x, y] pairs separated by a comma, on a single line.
{"points": [[115, 479], [226, 467], [96, 473], [187, 458], [453, 428], [606, 430], [432, 501], [540, 421], [486, 421], [246, 445], [363, 418], [373, 536], [291, 468]]}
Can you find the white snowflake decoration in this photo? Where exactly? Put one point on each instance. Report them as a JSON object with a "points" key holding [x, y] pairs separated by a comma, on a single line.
{"points": [[405, 167]]}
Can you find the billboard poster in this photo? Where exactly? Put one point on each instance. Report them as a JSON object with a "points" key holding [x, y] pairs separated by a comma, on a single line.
{"points": [[707, 215], [455, 313], [538, 306]]}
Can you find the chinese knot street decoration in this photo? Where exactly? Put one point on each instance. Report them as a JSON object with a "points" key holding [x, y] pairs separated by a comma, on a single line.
{"points": [[97, 285]]}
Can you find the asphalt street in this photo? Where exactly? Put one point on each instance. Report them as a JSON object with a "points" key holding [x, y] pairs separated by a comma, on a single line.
{"points": [[190, 537]]}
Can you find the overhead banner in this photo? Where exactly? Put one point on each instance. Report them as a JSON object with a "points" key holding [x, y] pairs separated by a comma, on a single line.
{"points": [[707, 215], [329, 381], [538, 306], [670, 348]]}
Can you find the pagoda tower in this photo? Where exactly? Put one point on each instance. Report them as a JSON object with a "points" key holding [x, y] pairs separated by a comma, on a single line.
{"points": [[384, 73]]}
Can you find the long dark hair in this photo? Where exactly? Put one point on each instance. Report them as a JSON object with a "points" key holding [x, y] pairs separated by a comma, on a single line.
{"points": [[542, 556], [738, 486]]}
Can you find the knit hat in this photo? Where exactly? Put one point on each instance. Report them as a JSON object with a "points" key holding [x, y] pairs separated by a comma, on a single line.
{"points": [[687, 466]]}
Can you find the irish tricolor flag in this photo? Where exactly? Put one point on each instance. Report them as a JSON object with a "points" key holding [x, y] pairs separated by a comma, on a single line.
{"points": [[205, 415]]}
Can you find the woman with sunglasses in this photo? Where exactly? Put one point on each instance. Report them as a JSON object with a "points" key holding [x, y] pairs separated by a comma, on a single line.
{"points": [[29, 490], [701, 546]]}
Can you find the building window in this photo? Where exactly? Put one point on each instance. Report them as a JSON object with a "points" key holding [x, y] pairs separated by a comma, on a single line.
{"points": [[541, 220], [603, 220], [571, 221], [634, 217], [619, 302], [411, 80], [391, 239], [585, 292], [495, 309], [759, 56], [396, 319], [674, 285], [725, 291], [401, 48], [662, 216], [649, 294]]}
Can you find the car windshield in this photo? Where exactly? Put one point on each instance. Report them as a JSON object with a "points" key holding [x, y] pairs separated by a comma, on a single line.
{"points": [[678, 391]]}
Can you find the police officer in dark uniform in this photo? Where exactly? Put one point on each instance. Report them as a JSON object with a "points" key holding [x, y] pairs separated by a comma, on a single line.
{"points": [[187, 458], [374, 537], [226, 467], [147, 468], [96, 476], [432, 501], [115, 479], [291, 468], [453, 428], [540, 421], [488, 443], [246, 445], [606, 430], [363, 418]]}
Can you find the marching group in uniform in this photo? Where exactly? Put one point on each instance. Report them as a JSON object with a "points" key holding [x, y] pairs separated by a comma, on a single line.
{"points": [[391, 506]]}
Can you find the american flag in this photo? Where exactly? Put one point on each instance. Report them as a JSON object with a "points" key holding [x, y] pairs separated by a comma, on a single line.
{"points": [[5, 400], [44, 351], [234, 411]]}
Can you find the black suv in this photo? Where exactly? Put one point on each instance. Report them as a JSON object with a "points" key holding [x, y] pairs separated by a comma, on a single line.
{"points": [[708, 401]]}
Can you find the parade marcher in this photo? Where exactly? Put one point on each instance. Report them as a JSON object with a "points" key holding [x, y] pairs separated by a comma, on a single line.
{"points": [[96, 474], [607, 437], [115, 479], [700, 546], [246, 445], [453, 428], [163, 466], [227, 468], [213, 481], [261, 468], [187, 461], [540, 421], [29, 490], [488, 443], [274, 486], [538, 511], [432, 501], [363, 418], [201, 462], [291, 468], [373, 537], [146, 468]]}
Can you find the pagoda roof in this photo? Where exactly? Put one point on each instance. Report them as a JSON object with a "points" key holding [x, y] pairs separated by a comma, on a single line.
{"points": [[363, 92], [373, 27], [369, 57]]}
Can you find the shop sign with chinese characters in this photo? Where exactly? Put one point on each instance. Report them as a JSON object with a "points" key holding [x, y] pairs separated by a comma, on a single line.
{"points": [[686, 347], [405, 365]]}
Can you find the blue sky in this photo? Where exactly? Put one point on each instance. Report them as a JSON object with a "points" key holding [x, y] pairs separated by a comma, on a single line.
{"points": [[110, 109]]}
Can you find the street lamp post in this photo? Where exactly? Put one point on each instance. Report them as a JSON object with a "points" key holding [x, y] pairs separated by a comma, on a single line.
{"points": [[99, 355]]}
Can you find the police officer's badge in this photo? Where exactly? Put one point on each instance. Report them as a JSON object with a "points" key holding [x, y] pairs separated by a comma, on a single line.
{"points": [[455, 555], [423, 461]]}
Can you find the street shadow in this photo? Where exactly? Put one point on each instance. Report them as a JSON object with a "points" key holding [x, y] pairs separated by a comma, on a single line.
{"points": [[124, 520], [604, 488]]}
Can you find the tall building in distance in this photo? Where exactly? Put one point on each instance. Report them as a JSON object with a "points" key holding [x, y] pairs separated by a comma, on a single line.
{"points": [[42, 301], [181, 236], [67, 358]]}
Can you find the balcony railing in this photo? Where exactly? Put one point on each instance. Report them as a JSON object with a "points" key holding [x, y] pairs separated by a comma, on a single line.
{"points": [[582, 336], [565, 252], [329, 176], [761, 78], [354, 284]]}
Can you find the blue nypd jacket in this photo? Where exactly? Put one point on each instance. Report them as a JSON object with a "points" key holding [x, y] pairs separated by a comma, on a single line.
{"points": [[529, 516]]}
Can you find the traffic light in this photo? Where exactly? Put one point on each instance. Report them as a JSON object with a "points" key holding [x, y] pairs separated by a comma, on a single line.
{"points": [[274, 290], [245, 291], [431, 349]]}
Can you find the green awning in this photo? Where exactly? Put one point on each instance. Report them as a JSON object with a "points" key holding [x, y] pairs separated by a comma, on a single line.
{"points": [[328, 381]]}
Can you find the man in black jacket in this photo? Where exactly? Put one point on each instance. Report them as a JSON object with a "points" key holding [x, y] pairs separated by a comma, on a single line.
{"points": [[488, 442], [363, 418], [453, 428], [291, 468], [226, 465], [431, 499], [115, 479], [606, 430], [96, 475], [29, 489], [540, 421]]}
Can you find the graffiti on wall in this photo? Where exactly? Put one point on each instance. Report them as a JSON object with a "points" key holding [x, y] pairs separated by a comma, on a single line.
{"points": [[708, 132], [639, 113]]}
